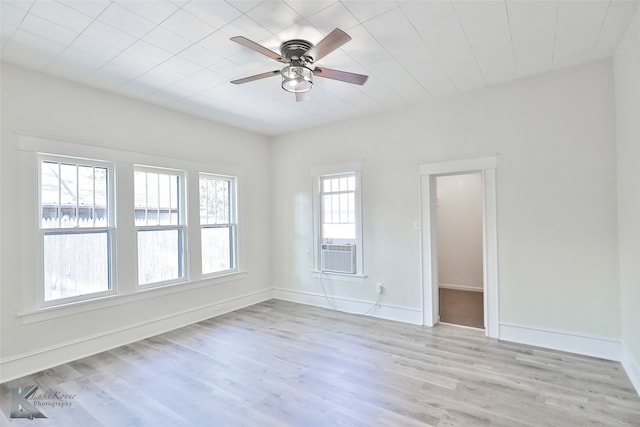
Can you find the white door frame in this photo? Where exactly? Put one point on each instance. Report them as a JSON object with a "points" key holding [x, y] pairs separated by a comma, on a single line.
{"points": [[428, 173]]}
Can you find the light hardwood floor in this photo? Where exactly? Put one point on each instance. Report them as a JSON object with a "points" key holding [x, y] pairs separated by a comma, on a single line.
{"points": [[285, 364]]}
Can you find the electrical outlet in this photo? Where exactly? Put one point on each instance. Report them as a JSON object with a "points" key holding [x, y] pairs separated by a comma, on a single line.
{"points": [[380, 287]]}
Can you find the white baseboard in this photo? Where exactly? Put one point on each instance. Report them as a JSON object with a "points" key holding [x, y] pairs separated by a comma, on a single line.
{"points": [[632, 367], [461, 287], [353, 306], [34, 361], [602, 348]]}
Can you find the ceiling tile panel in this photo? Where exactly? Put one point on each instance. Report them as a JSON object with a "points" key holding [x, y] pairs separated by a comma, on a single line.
{"points": [[109, 35], [133, 62], [306, 8], [274, 15], [87, 45], [247, 27], [244, 5], [578, 27], [147, 51], [440, 29], [111, 76], [155, 11], [188, 26], [200, 56], [20, 4], [61, 15], [10, 19], [613, 28], [431, 76], [181, 65], [364, 48], [167, 40], [403, 42], [334, 16], [74, 65], [47, 29], [126, 21], [365, 10], [30, 50], [92, 8], [160, 77], [486, 27], [215, 13], [533, 31]]}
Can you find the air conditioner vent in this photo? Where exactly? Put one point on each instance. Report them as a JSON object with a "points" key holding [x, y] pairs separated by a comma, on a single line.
{"points": [[338, 258]]}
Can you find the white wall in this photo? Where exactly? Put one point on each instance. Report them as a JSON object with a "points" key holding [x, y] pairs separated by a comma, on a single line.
{"points": [[35, 103], [627, 95], [556, 191], [459, 230]]}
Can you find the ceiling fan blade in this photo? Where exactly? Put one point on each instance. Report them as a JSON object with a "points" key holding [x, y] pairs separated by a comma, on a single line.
{"points": [[343, 76], [257, 47], [256, 77], [331, 42]]}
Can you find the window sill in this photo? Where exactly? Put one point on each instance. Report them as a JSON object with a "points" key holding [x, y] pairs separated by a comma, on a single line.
{"points": [[78, 307], [342, 277]]}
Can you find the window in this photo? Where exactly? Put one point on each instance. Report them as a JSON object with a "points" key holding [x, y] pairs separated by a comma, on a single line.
{"points": [[76, 226], [159, 218], [218, 223], [338, 200], [338, 228]]}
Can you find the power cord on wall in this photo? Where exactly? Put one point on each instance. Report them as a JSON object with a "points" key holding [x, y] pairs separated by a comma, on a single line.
{"points": [[333, 306]]}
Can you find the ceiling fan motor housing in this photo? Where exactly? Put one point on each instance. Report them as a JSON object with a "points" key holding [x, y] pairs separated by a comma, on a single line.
{"points": [[294, 50]]}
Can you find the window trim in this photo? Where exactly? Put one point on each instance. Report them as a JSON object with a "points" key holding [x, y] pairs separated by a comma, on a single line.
{"points": [[110, 229], [233, 224], [183, 266], [326, 171]]}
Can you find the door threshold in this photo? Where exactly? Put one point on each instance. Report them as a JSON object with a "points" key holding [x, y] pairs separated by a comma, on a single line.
{"points": [[462, 326]]}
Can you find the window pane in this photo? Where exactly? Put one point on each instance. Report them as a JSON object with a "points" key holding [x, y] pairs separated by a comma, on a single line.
{"points": [[68, 194], [217, 249], [85, 196], [339, 231], [49, 194], [215, 201], [100, 179], [75, 264], [159, 255]]}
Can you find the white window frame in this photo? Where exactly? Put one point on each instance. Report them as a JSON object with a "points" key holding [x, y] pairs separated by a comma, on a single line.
{"points": [[181, 226], [233, 222], [109, 229], [328, 171]]}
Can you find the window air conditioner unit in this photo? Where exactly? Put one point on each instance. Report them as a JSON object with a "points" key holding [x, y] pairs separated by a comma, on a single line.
{"points": [[338, 258]]}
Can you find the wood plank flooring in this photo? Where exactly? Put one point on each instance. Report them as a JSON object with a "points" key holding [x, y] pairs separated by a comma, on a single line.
{"points": [[284, 364], [461, 307]]}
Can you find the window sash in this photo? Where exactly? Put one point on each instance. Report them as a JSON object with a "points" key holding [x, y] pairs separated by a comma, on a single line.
{"points": [[67, 263], [217, 196]]}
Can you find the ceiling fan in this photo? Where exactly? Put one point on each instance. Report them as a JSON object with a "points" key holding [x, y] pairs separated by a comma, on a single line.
{"points": [[300, 55]]}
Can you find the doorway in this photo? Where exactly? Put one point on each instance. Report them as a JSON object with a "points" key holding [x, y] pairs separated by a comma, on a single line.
{"points": [[459, 249], [486, 167]]}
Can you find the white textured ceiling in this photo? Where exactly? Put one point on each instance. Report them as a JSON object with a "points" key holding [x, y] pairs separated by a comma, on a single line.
{"points": [[178, 53]]}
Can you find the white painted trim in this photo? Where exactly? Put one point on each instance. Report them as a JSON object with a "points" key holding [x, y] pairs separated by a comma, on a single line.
{"points": [[24, 364], [338, 277], [429, 265], [476, 288], [71, 309], [352, 306], [603, 348], [455, 166], [632, 367]]}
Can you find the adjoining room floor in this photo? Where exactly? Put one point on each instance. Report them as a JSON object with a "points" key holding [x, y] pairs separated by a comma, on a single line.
{"points": [[462, 307], [284, 364]]}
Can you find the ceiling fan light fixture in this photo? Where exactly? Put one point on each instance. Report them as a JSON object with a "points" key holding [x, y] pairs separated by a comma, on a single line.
{"points": [[297, 78]]}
